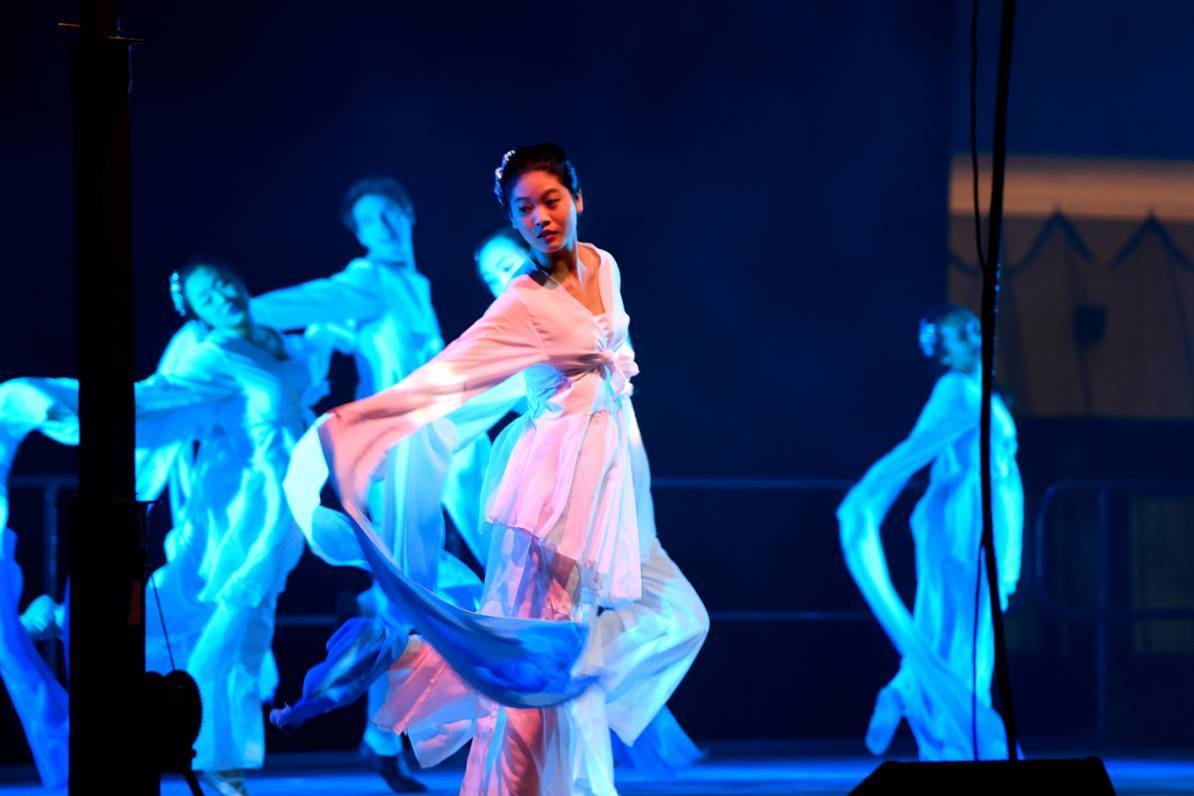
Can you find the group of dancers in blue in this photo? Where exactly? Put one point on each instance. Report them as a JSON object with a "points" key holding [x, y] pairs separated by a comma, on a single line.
{"points": [[557, 663]]}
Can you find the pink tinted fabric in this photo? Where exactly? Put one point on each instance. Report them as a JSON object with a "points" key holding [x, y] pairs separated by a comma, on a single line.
{"points": [[561, 472]]}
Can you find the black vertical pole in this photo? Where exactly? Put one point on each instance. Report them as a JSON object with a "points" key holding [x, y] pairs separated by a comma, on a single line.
{"points": [[989, 316], [107, 651]]}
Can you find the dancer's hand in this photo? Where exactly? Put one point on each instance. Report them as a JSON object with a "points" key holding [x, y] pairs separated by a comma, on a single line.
{"points": [[40, 618]]}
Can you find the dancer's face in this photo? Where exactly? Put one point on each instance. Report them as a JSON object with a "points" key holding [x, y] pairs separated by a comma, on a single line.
{"points": [[498, 261], [544, 212], [382, 228], [217, 300], [960, 348]]}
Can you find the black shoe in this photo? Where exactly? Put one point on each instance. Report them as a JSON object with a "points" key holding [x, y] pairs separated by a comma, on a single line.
{"points": [[393, 770]]}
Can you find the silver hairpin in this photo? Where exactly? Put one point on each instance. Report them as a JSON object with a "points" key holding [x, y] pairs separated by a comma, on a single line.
{"points": [[497, 177], [176, 295], [974, 328], [928, 339]]}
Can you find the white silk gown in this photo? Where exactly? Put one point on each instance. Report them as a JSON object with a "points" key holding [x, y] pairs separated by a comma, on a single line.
{"points": [[932, 689], [531, 679]]}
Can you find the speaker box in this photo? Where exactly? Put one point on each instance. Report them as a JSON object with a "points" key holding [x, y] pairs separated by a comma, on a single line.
{"points": [[1083, 777]]}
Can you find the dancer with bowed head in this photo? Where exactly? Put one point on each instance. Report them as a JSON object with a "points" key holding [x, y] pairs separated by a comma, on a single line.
{"points": [[937, 640], [532, 679], [216, 421]]}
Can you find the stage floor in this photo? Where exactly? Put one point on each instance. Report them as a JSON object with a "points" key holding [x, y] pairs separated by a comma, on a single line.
{"points": [[787, 774]]}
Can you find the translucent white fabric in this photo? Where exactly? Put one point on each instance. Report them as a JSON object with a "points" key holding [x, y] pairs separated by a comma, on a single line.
{"points": [[640, 650], [381, 314], [578, 369], [933, 687], [631, 661]]}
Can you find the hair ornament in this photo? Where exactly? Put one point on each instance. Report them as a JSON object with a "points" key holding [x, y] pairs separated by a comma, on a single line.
{"points": [[928, 339], [176, 294], [497, 177], [974, 328]]}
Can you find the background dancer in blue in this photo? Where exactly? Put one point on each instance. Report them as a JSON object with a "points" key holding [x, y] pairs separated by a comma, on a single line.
{"points": [[378, 309], [937, 640], [216, 422]]}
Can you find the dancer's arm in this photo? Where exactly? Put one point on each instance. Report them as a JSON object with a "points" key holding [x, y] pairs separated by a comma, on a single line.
{"points": [[178, 404], [1009, 531], [948, 415], [357, 435], [350, 295]]}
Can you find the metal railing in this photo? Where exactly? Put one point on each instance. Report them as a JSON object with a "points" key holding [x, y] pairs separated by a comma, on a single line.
{"points": [[1034, 588], [1102, 613], [51, 487]]}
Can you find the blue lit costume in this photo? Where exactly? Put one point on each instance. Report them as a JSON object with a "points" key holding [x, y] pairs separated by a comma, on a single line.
{"points": [[233, 541], [932, 689]]}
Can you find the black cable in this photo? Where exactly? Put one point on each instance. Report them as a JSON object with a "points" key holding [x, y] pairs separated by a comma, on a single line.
{"points": [[162, 618], [978, 214], [990, 268], [157, 598], [990, 314]]}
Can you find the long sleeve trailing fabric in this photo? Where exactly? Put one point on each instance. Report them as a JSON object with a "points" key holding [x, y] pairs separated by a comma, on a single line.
{"points": [[495, 348], [639, 635], [935, 640], [561, 472], [381, 313], [35, 692]]}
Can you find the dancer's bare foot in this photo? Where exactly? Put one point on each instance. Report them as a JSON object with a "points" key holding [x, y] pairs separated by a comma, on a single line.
{"points": [[394, 770], [884, 721], [225, 783], [42, 619]]}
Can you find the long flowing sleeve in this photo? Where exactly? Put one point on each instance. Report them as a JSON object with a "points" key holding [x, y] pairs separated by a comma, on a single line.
{"points": [[269, 557], [170, 411], [356, 436], [351, 295], [947, 415], [515, 661], [27, 405], [1009, 532], [175, 406], [950, 412], [36, 694]]}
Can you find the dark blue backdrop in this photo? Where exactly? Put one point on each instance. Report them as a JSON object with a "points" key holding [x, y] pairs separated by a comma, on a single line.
{"points": [[771, 176]]}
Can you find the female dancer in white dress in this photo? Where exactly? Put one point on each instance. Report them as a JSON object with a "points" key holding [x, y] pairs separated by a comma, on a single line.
{"points": [[243, 393], [532, 679], [936, 641]]}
